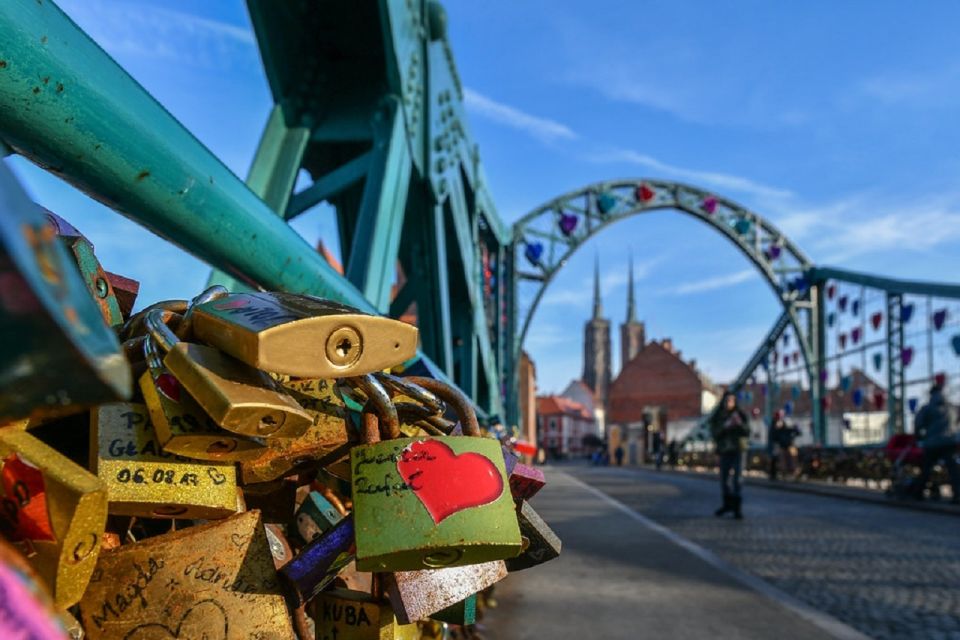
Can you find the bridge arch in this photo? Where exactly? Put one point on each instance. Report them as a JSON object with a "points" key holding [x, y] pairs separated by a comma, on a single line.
{"points": [[544, 239]]}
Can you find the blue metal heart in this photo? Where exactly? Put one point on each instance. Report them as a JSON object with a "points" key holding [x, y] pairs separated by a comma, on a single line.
{"points": [[533, 252]]}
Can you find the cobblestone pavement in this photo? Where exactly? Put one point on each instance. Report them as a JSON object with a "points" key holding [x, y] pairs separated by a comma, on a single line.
{"points": [[890, 573]]}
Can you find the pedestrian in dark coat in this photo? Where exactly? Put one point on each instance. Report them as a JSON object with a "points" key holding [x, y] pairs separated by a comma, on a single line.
{"points": [[729, 427], [932, 426]]}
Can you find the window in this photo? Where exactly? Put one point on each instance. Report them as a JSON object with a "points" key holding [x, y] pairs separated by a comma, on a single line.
{"points": [[553, 424]]}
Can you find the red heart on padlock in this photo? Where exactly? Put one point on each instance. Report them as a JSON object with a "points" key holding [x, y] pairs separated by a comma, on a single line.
{"points": [[446, 482]]}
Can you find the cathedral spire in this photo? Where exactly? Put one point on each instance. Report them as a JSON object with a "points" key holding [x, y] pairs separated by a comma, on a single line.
{"points": [[597, 304], [631, 303]]}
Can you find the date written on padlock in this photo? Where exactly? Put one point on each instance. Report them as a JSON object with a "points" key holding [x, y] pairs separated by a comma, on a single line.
{"points": [[143, 480], [54, 510], [214, 581], [302, 335]]}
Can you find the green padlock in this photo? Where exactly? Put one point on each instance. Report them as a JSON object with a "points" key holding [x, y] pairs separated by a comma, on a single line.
{"points": [[429, 502]]}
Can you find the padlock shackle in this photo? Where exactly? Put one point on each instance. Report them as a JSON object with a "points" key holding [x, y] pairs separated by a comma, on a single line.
{"points": [[455, 398], [403, 386], [158, 329], [209, 294], [379, 400], [134, 326]]}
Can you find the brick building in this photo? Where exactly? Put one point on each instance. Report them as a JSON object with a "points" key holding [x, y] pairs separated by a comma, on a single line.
{"points": [[562, 423], [658, 386]]}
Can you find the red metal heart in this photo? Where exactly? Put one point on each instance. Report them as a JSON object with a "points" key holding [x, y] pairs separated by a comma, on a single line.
{"points": [[445, 482], [645, 193], [876, 319]]}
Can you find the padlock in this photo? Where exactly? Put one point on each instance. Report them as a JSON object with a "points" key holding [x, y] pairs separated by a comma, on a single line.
{"points": [[525, 481], [101, 290], [57, 354], [303, 336], [417, 595], [236, 396], [541, 544], [55, 510], [143, 480], [426, 503], [26, 607], [213, 580], [319, 562], [340, 614], [328, 439], [181, 425], [315, 516]]}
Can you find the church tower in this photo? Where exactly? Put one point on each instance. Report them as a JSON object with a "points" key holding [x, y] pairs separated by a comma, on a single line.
{"points": [[596, 347], [632, 332]]}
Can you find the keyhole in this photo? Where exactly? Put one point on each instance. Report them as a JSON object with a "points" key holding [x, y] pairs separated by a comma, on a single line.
{"points": [[344, 347]]}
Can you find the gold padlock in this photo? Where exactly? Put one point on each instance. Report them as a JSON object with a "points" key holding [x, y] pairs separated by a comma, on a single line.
{"points": [[55, 510], [143, 480], [303, 336], [214, 581], [236, 396], [327, 440], [340, 614], [181, 425]]}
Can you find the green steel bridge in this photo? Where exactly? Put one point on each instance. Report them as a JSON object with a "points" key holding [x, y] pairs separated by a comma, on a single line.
{"points": [[367, 100]]}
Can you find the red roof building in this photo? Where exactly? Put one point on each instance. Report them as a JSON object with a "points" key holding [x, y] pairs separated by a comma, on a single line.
{"points": [[561, 425]]}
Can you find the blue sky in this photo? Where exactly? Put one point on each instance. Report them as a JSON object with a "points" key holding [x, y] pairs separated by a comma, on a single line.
{"points": [[834, 120]]}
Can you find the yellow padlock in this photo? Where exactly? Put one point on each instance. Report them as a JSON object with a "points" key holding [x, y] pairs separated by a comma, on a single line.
{"points": [[143, 480], [215, 581], [181, 425], [54, 510], [327, 440], [236, 396]]}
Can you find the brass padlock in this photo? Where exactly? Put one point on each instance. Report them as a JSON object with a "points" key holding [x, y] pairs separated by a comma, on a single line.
{"points": [[236, 396], [143, 480], [54, 510], [328, 439], [417, 595], [340, 614], [541, 544], [207, 581], [26, 607], [303, 336], [181, 425]]}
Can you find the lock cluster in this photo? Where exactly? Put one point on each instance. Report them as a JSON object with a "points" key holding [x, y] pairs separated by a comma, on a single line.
{"points": [[252, 464]]}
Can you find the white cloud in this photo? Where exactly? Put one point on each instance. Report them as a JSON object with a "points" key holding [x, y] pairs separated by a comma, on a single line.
{"points": [[716, 282], [867, 223], [139, 29], [544, 129], [716, 179]]}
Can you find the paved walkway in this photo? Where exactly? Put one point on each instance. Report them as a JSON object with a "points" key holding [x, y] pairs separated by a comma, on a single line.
{"points": [[622, 576], [643, 556]]}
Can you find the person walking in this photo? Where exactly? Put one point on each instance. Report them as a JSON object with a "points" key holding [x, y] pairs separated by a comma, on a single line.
{"points": [[618, 454], [782, 452], [730, 429], [932, 427]]}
